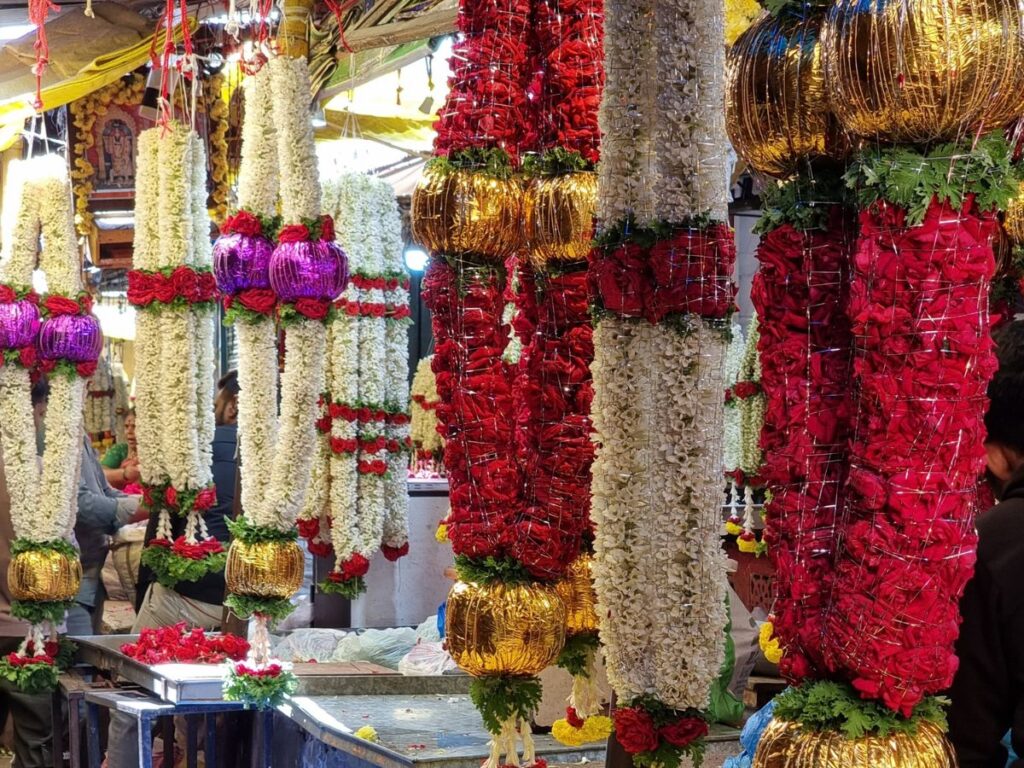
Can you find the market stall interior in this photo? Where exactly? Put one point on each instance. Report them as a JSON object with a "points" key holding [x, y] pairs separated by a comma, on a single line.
{"points": [[500, 382]]}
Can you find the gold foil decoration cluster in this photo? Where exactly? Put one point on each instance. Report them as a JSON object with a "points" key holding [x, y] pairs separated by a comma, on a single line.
{"points": [[44, 576], [462, 212], [777, 109], [267, 569], [559, 217], [504, 629], [924, 70], [1013, 221], [577, 592], [787, 745]]}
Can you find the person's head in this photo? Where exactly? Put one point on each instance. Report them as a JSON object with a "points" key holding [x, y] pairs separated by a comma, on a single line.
{"points": [[1005, 418], [129, 427], [40, 399], [225, 407]]}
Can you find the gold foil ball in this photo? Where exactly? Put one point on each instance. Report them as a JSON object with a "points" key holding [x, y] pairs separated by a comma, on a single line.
{"points": [[559, 213], [504, 629], [43, 576], [777, 111], [577, 592], [787, 745], [1013, 217], [466, 212], [924, 70], [269, 569]]}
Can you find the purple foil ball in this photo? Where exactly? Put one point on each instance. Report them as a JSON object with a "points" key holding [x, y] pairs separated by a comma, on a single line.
{"points": [[308, 270], [19, 324], [76, 338], [241, 262]]}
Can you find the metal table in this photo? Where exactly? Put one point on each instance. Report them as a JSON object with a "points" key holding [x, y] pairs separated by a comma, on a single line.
{"points": [[425, 731]]}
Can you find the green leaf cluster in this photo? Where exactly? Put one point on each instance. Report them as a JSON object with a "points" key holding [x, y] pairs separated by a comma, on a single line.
{"points": [[485, 570], [949, 172], [578, 653], [649, 235], [826, 705], [350, 589], [803, 202], [667, 755], [556, 162], [490, 161], [36, 612], [274, 609], [249, 533], [502, 698], [30, 678], [259, 692], [53, 545], [171, 568]]}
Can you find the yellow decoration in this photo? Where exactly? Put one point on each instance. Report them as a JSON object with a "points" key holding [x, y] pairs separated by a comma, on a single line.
{"points": [[465, 212], [748, 546], [504, 629], [423, 407], [595, 728], [739, 14], [777, 109], [924, 70], [441, 534], [216, 107], [577, 592], [733, 529], [44, 575], [1013, 221], [786, 745], [268, 569], [559, 217], [769, 644], [367, 733]]}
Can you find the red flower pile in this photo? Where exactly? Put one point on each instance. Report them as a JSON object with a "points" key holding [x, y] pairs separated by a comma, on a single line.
{"points": [[800, 293], [487, 105], [638, 731], [923, 359], [554, 392], [476, 409], [178, 644], [182, 548], [689, 272], [569, 39], [184, 285]]}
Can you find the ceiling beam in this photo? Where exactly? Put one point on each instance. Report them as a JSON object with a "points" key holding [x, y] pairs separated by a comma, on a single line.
{"points": [[439, 21]]}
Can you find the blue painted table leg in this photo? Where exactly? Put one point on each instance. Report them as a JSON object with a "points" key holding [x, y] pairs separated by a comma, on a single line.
{"points": [[210, 746], [192, 740], [145, 741], [93, 736]]}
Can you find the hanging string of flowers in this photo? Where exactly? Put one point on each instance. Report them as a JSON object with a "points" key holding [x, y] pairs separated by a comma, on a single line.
{"points": [[662, 288], [45, 573], [172, 285], [426, 438]]}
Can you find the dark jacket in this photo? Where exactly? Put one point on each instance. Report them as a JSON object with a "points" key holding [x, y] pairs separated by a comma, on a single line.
{"points": [[988, 691], [209, 589]]}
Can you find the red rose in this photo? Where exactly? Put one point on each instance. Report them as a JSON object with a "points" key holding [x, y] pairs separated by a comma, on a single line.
{"points": [[27, 356], [293, 233], [314, 309], [319, 548], [61, 305], [163, 288], [205, 499], [354, 567], [635, 730], [261, 300], [140, 288], [171, 497], [620, 280], [684, 731], [326, 228], [573, 718], [207, 286], [47, 366], [308, 527], [186, 284], [87, 369], [242, 223], [85, 299], [7, 294], [323, 424], [392, 554]]}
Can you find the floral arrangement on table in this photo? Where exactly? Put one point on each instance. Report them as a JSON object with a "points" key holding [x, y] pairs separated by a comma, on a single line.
{"points": [[358, 502], [663, 295], [876, 353], [427, 442], [294, 282], [172, 287], [58, 333], [178, 644]]}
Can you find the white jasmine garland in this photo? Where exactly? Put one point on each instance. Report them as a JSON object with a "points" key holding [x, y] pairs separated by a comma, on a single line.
{"points": [[20, 228], [258, 169], [204, 322], [751, 408], [425, 436], [257, 414], [296, 153], [99, 400], [731, 418]]}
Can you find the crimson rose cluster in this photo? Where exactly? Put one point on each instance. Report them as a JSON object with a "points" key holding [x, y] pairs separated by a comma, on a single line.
{"points": [[49, 333], [165, 645], [645, 730], [183, 286], [800, 294], [923, 357]]}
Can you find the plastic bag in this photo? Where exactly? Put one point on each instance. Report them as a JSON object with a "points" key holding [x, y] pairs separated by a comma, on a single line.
{"points": [[427, 631], [308, 645], [427, 659], [751, 736], [724, 707], [384, 647]]}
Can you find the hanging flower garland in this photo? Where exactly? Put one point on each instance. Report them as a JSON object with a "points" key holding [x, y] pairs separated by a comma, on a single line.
{"points": [[44, 573], [426, 437], [172, 282], [800, 294], [731, 423], [750, 395], [99, 402], [662, 288]]}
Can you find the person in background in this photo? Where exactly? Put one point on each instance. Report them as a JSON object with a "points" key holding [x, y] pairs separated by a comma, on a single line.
{"points": [[101, 511], [121, 461], [40, 399], [988, 690]]}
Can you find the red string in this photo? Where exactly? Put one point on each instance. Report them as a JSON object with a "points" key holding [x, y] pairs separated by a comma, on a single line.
{"points": [[339, 10], [254, 65], [38, 10]]}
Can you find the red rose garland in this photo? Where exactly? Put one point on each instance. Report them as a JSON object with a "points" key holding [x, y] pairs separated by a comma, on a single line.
{"points": [[923, 358], [800, 295]]}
